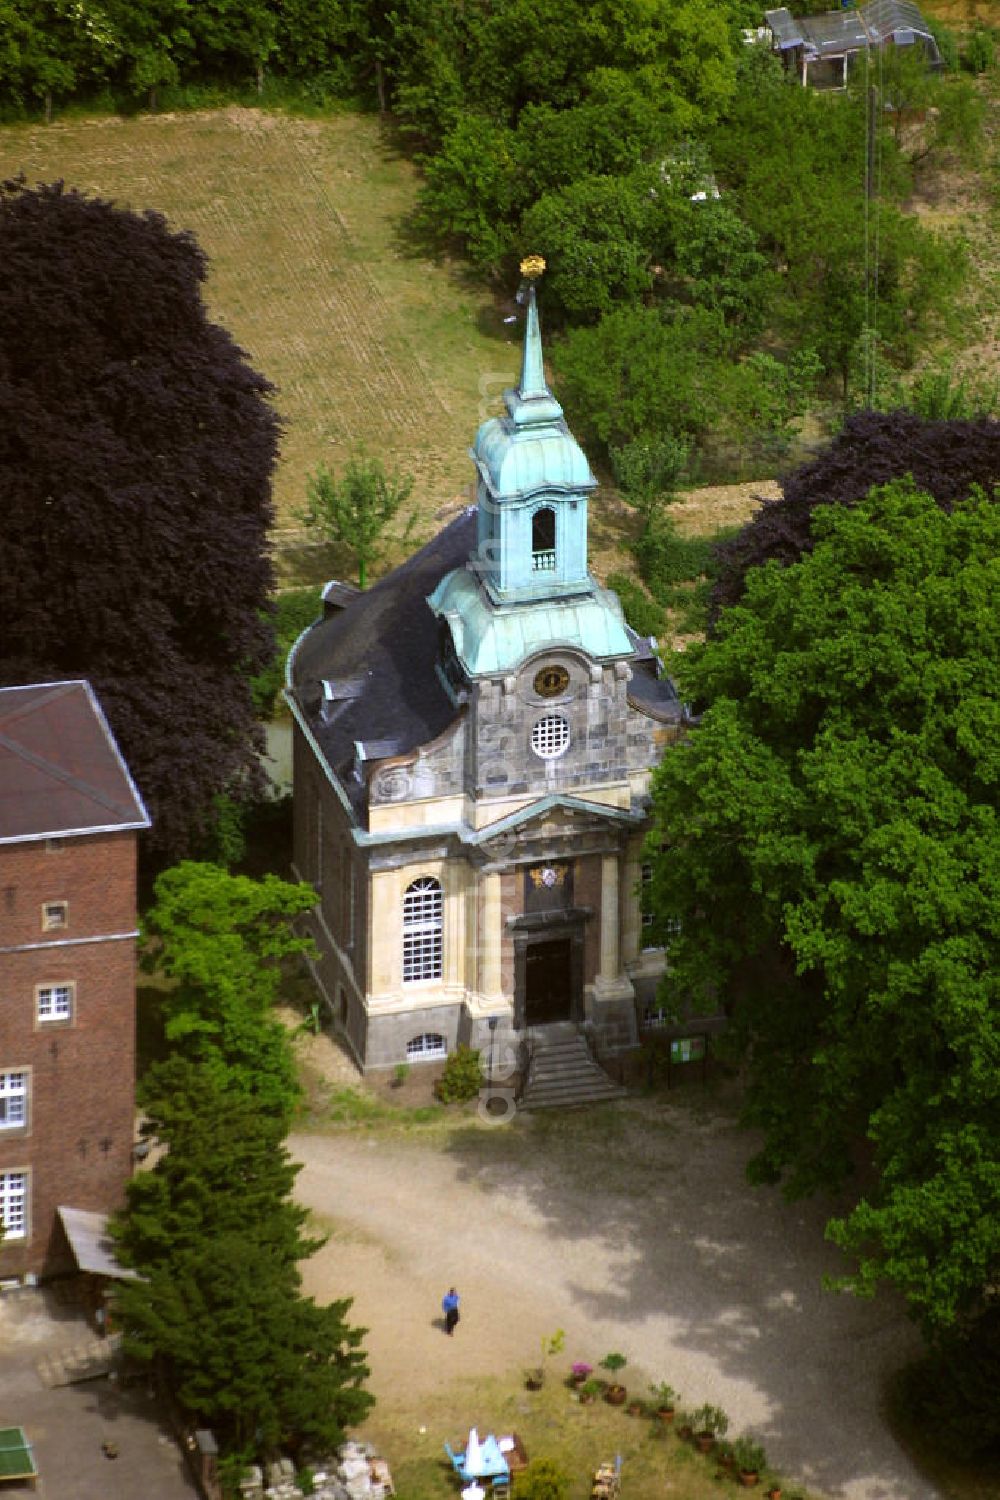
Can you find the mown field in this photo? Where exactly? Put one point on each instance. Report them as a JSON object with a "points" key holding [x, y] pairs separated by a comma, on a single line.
{"points": [[301, 220]]}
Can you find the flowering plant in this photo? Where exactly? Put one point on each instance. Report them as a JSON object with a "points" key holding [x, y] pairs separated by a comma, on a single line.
{"points": [[581, 1370]]}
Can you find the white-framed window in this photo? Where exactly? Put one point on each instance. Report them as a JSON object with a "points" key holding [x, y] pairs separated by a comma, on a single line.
{"points": [[658, 1017], [55, 1002], [423, 930], [429, 1044], [14, 1204], [13, 1100], [55, 914], [550, 736]]}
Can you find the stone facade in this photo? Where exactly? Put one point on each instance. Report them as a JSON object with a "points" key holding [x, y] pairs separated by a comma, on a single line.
{"points": [[473, 741]]}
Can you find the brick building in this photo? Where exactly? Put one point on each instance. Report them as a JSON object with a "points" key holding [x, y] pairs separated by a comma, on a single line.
{"points": [[473, 743], [69, 816]]}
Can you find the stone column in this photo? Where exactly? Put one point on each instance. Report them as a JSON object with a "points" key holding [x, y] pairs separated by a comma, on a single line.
{"points": [[490, 937], [631, 919], [610, 963]]}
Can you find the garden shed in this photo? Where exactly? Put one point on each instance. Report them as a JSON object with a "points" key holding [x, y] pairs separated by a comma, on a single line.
{"points": [[821, 48]]}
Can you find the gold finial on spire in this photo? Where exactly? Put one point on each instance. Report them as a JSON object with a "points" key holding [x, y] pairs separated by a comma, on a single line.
{"points": [[532, 267]]}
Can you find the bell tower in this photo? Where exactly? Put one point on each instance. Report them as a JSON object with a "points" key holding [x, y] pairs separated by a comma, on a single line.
{"points": [[526, 586], [534, 480]]}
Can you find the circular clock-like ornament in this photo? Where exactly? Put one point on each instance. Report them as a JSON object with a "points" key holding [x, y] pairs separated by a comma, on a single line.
{"points": [[551, 681]]}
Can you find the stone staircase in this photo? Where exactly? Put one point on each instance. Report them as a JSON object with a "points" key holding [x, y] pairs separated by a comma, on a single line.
{"points": [[563, 1074], [87, 1360]]}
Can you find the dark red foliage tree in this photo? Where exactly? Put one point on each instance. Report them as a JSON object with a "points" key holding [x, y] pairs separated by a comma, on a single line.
{"points": [[136, 453], [946, 459]]}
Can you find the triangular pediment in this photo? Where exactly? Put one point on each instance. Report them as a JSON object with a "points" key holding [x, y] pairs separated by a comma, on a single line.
{"points": [[554, 820]]}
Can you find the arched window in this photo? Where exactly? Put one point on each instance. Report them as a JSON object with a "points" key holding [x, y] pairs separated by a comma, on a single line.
{"points": [[543, 540], [428, 1044], [423, 930]]}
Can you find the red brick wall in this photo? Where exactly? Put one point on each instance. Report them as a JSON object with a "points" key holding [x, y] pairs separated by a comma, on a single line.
{"points": [[78, 1140]]}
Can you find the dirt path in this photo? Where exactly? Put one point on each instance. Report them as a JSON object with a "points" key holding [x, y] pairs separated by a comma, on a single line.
{"points": [[633, 1229]]}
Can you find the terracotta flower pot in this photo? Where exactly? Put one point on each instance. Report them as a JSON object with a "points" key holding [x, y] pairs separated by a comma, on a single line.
{"points": [[635, 1408], [616, 1395], [704, 1441], [665, 1413], [748, 1478]]}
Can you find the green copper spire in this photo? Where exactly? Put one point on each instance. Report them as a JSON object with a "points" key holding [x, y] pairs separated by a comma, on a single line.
{"points": [[532, 402]]}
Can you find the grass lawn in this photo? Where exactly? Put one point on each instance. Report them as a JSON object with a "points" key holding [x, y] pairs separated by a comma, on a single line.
{"points": [[553, 1424]]}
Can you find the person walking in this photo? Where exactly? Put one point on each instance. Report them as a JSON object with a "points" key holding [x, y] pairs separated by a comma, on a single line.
{"points": [[449, 1306]]}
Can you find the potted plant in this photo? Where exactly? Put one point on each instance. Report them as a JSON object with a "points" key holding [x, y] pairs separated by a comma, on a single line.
{"points": [[749, 1458], [665, 1401], [636, 1407], [724, 1454], [709, 1423], [589, 1391], [400, 1074], [580, 1372], [616, 1392], [552, 1343]]}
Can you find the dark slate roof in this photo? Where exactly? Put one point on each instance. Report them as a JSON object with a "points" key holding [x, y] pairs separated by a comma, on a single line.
{"points": [[381, 653], [652, 693], [61, 773]]}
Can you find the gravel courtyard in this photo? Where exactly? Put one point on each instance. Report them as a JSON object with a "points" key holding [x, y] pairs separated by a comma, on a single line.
{"points": [[632, 1228]]}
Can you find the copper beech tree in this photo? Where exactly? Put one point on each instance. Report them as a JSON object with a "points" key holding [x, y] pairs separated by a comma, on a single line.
{"points": [[136, 452]]}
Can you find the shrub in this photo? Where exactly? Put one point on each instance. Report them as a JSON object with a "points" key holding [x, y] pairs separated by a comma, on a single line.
{"points": [[947, 43], [541, 1480], [643, 613], [980, 51], [294, 609], [666, 559], [613, 1363], [748, 1456], [710, 1419], [462, 1077]]}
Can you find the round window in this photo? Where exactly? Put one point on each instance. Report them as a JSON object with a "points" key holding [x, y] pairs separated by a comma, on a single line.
{"points": [[550, 736]]}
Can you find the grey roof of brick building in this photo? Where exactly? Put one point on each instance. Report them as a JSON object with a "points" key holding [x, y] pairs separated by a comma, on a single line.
{"points": [[61, 772]]}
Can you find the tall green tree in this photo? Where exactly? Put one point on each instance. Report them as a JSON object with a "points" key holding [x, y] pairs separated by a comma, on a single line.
{"points": [[218, 1311], [831, 849], [220, 940], [354, 509], [226, 1170]]}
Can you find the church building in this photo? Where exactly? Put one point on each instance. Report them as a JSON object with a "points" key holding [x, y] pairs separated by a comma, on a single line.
{"points": [[473, 743]]}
